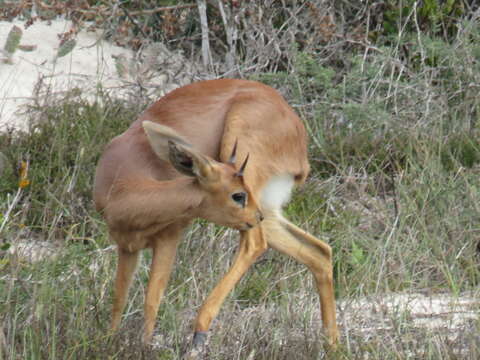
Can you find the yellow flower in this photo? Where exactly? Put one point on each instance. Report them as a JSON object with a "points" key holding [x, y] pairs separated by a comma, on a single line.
{"points": [[23, 175]]}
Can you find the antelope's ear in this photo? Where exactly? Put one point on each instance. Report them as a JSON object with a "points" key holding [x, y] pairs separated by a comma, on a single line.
{"points": [[172, 147], [191, 163], [159, 135]]}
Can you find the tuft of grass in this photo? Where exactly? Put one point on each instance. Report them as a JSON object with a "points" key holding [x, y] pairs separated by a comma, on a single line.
{"points": [[61, 151]]}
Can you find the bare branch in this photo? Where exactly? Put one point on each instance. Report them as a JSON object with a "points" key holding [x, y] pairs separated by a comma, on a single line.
{"points": [[206, 55], [163, 8], [231, 33]]}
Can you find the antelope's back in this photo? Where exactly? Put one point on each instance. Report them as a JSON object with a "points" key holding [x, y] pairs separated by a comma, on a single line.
{"points": [[212, 115]]}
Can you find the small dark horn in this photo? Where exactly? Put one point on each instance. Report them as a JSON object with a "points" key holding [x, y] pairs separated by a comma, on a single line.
{"points": [[242, 168], [233, 157]]}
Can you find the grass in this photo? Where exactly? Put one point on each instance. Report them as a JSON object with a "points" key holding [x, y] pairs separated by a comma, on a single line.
{"points": [[394, 189]]}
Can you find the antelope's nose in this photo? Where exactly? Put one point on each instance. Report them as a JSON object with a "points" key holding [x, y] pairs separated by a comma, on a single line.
{"points": [[260, 216]]}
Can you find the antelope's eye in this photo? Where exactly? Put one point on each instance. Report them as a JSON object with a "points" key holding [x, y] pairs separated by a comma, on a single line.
{"points": [[240, 198]]}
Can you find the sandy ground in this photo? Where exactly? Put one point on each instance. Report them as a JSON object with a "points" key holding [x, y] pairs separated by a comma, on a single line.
{"points": [[89, 64], [433, 312], [40, 74]]}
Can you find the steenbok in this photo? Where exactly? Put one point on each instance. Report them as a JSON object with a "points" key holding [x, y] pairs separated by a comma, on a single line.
{"points": [[178, 162]]}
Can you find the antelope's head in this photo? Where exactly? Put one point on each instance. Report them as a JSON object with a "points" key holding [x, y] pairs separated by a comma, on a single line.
{"points": [[226, 199]]}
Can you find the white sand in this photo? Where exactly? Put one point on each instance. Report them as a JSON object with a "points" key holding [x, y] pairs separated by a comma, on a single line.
{"points": [[89, 64], [433, 312]]}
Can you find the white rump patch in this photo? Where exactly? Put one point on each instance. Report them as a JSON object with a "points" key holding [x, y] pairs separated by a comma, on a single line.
{"points": [[277, 192]]}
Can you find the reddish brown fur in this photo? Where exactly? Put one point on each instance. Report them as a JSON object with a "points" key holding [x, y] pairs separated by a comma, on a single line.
{"points": [[146, 202], [218, 113]]}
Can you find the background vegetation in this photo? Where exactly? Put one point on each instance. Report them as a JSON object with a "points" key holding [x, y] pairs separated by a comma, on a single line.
{"points": [[389, 93]]}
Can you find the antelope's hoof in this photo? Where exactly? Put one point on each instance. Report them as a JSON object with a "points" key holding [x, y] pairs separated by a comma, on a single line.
{"points": [[199, 339], [198, 345]]}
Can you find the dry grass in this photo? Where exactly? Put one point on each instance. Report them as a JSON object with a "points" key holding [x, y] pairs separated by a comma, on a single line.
{"points": [[394, 189]]}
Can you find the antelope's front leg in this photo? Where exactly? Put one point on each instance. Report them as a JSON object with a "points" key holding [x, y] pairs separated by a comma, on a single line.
{"points": [[252, 245], [163, 258], [127, 263]]}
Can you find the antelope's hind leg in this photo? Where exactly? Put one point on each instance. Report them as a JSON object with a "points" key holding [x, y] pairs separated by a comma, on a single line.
{"points": [[289, 239]]}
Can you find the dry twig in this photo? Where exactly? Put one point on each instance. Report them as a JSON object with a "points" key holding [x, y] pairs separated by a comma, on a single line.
{"points": [[206, 55], [161, 9]]}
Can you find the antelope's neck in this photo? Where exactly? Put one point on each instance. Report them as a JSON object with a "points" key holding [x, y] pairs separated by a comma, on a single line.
{"points": [[140, 205]]}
